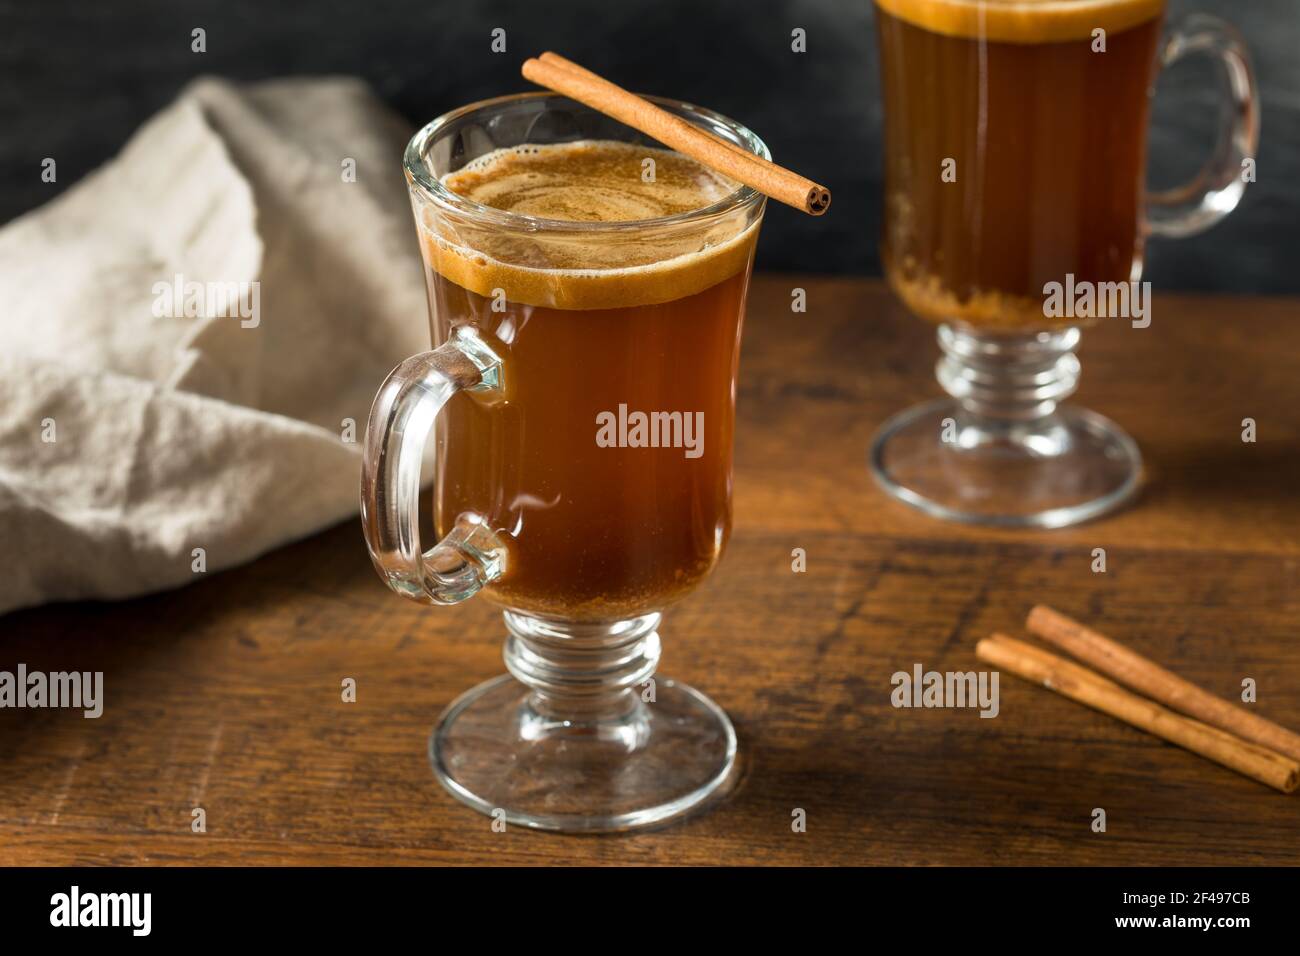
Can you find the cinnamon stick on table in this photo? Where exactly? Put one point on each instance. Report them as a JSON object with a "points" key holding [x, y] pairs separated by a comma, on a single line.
{"points": [[1144, 675], [1082, 685], [563, 76]]}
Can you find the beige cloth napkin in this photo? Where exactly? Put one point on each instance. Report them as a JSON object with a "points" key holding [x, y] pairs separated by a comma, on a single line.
{"points": [[138, 443]]}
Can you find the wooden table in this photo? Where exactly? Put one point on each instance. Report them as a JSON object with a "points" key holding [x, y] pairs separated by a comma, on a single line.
{"points": [[225, 695]]}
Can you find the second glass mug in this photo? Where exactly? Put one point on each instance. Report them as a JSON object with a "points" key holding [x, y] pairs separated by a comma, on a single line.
{"points": [[1015, 154], [541, 327]]}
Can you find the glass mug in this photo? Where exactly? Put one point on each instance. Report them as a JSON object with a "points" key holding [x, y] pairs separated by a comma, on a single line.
{"points": [[1015, 155], [549, 335]]}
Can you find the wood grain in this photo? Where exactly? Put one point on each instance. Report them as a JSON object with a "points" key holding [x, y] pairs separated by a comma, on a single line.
{"points": [[225, 694]]}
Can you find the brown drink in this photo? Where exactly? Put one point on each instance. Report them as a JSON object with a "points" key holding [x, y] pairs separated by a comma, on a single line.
{"points": [[1049, 143], [589, 332]]}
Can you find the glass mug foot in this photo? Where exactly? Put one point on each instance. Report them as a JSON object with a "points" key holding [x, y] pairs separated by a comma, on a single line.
{"points": [[579, 737], [1067, 467], [494, 750], [1002, 450]]}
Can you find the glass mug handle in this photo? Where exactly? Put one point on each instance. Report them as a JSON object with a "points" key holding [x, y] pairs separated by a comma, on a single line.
{"points": [[471, 555], [1197, 205]]}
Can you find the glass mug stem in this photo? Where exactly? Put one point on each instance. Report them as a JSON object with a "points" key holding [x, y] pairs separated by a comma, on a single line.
{"points": [[586, 673], [1008, 378]]}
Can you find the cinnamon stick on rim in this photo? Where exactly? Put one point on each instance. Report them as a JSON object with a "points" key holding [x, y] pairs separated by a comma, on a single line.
{"points": [[1093, 690], [1144, 675], [563, 76]]}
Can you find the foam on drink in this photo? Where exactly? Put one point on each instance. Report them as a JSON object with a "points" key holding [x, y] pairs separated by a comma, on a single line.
{"points": [[1023, 21], [596, 182], [589, 181]]}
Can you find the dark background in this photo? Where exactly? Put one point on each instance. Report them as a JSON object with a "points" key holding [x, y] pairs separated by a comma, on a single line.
{"points": [[79, 78]]}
